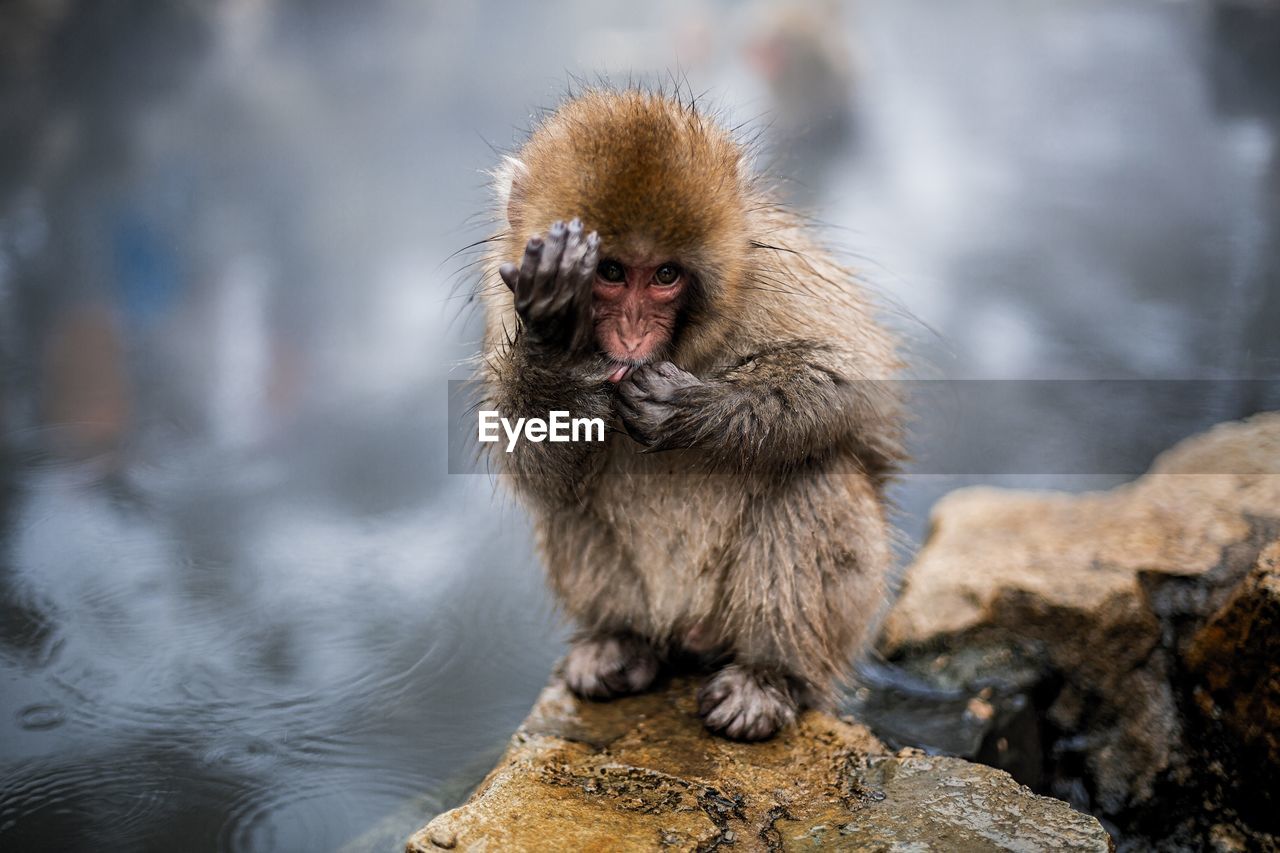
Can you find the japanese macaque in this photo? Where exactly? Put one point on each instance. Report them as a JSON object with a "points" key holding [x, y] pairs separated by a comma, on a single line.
{"points": [[736, 513], [801, 50]]}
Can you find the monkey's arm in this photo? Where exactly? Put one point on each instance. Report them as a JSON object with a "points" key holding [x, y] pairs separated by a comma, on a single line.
{"points": [[530, 385], [777, 407], [546, 365]]}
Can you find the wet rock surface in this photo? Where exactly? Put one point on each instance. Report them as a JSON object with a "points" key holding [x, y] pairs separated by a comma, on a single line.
{"points": [[1117, 649], [643, 774]]}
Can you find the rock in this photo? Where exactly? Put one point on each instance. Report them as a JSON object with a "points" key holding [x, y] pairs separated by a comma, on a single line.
{"points": [[1237, 654], [1091, 606], [1235, 659], [643, 774]]}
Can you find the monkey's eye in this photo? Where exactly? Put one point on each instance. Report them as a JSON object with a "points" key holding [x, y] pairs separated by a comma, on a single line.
{"points": [[667, 274], [611, 271]]}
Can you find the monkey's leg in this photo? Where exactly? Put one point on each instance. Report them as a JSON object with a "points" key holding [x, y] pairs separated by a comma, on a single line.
{"points": [[605, 597], [798, 601], [602, 666]]}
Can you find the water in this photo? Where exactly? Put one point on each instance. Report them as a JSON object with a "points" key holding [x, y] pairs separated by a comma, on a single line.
{"points": [[243, 605]]}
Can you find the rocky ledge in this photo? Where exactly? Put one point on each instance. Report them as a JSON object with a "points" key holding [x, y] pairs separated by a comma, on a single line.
{"points": [[643, 774], [1119, 649]]}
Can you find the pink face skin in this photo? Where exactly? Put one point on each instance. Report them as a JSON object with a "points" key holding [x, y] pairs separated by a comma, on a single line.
{"points": [[635, 310]]}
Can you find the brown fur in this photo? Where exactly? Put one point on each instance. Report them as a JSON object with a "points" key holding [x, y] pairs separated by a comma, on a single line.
{"points": [[762, 534]]}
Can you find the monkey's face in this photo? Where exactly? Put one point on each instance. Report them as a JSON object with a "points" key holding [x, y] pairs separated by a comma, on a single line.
{"points": [[636, 304]]}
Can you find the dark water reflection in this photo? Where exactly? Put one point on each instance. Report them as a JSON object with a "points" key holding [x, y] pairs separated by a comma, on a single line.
{"points": [[242, 604]]}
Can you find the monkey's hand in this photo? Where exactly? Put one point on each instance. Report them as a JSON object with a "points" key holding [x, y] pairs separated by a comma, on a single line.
{"points": [[659, 404], [552, 287]]}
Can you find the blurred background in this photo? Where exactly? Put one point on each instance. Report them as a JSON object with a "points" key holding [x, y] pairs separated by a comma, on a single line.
{"points": [[244, 605]]}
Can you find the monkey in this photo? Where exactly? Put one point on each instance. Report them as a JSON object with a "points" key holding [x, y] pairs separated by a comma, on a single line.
{"points": [[646, 275]]}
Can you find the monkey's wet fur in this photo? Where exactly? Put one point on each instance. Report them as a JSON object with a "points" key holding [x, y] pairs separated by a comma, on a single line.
{"points": [[736, 512]]}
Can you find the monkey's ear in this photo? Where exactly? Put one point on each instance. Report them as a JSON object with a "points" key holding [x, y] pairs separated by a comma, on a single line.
{"points": [[511, 181]]}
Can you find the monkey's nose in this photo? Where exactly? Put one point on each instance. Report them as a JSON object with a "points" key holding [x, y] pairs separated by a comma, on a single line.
{"points": [[631, 338], [632, 343]]}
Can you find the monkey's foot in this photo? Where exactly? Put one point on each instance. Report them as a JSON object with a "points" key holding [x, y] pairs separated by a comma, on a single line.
{"points": [[603, 667], [746, 704]]}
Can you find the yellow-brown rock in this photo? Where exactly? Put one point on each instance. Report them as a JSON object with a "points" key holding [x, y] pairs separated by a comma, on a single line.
{"points": [[1073, 557], [643, 774]]}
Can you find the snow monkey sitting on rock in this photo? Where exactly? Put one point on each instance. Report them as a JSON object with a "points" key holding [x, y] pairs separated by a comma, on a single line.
{"points": [[736, 511]]}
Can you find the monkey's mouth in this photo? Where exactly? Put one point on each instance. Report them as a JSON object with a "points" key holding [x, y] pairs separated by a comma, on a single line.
{"points": [[621, 372]]}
